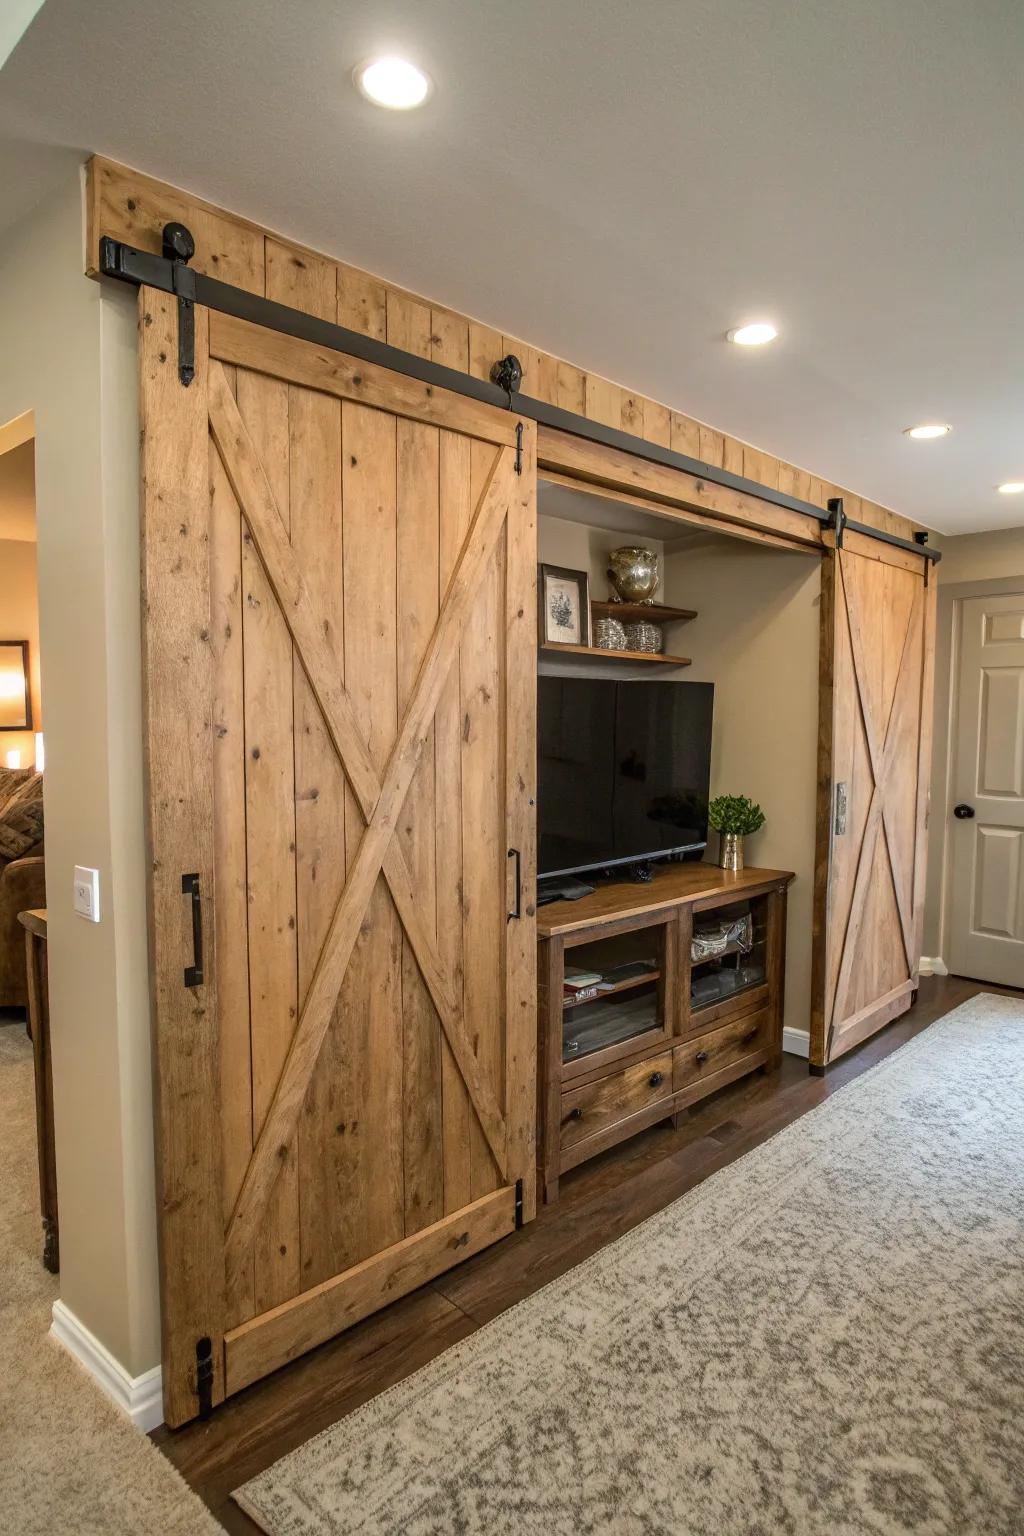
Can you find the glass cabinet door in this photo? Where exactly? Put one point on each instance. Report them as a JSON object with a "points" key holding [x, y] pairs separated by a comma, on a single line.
{"points": [[614, 991], [728, 952]]}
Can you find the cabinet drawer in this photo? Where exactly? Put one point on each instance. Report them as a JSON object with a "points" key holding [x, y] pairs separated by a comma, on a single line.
{"points": [[706, 1054], [586, 1111]]}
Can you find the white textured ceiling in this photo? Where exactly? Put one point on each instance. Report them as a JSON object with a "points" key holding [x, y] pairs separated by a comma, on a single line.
{"points": [[620, 184]]}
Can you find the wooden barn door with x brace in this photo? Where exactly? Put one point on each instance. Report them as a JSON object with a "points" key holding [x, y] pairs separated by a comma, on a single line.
{"points": [[877, 673], [339, 577]]}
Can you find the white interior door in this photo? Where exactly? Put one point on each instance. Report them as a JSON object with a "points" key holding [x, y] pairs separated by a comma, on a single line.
{"points": [[987, 815]]}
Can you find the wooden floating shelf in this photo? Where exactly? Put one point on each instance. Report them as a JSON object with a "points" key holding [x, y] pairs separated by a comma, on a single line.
{"points": [[632, 613], [553, 648]]}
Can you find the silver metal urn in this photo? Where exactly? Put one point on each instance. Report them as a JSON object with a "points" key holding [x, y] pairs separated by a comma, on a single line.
{"points": [[633, 572]]}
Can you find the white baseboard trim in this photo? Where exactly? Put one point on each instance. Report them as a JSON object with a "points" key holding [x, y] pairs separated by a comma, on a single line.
{"points": [[140, 1397], [796, 1041], [932, 965]]}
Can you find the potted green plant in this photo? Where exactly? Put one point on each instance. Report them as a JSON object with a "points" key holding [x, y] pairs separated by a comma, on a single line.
{"points": [[734, 817]]}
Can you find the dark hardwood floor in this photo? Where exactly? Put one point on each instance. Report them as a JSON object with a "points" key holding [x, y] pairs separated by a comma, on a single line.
{"points": [[599, 1201]]}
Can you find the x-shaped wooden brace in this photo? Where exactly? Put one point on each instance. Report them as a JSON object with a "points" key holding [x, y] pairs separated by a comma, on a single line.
{"points": [[380, 799], [882, 754]]}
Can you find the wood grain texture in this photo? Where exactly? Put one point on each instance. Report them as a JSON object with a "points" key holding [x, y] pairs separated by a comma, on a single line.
{"points": [[128, 206], [874, 727], [256, 497], [178, 671], [619, 471], [672, 884], [277, 1337]]}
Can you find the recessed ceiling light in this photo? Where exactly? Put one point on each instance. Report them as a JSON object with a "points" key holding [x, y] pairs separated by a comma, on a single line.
{"points": [[754, 335], [928, 429], [393, 82], [1011, 487]]}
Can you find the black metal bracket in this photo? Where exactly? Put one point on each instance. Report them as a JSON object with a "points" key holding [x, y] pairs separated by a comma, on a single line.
{"points": [[171, 275], [204, 1377], [507, 373], [519, 1203], [519, 448], [178, 248], [837, 518]]}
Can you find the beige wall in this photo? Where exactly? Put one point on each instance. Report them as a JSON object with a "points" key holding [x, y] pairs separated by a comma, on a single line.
{"points": [[69, 356], [756, 638], [19, 620], [972, 565]]}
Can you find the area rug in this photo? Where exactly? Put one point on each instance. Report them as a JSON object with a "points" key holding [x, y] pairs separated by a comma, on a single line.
{"points": [[827, 1336], [69, 1461]]}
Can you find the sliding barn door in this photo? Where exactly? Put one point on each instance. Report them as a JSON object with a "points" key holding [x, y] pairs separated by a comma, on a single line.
{"points": [[340, 668], [877, 644]]}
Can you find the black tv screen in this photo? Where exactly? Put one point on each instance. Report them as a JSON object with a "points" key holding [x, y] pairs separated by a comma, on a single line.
{"points": [[623, 771]]}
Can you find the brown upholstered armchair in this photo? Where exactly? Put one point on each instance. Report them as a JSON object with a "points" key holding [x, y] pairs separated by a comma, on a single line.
{"points": [[22, 886]]}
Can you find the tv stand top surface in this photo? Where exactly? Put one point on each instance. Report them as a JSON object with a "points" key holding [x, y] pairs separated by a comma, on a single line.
{"points": [[670, 886]]}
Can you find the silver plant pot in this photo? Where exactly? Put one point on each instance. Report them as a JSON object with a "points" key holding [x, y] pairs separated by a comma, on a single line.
{"points": [[730, 850]]}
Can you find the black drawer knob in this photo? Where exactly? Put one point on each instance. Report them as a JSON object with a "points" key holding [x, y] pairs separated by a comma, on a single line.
{"points": [[576, 1114], [702, 1057], [656, 1079]]}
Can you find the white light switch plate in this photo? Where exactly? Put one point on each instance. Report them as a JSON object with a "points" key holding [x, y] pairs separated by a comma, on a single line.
{"points": [[87, 893]]}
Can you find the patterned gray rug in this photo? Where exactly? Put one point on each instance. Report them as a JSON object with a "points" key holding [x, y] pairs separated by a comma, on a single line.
{"points": [[827, 1336]]}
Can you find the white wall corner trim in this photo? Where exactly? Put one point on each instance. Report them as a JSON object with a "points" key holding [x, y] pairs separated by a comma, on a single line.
{"points": [[140, 1397], [796, 1041], [932, 965]]}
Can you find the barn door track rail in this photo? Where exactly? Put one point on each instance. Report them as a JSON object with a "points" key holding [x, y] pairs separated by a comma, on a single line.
{"points": [[170, 273]]}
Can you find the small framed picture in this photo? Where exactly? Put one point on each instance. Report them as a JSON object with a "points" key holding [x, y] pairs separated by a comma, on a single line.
{"points": [[564, 599]]}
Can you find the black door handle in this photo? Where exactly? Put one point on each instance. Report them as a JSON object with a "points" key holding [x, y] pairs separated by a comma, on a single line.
{"points": [[963, 812], [517, 910], [194, 972]]}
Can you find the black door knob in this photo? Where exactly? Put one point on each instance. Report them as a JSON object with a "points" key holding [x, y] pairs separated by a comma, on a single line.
{"points": [[702, 1057], [963, 812]]}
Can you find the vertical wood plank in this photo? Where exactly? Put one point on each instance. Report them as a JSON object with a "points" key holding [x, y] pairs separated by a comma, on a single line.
{"points": [[231, 908], [484, 349], [455, 511], [572, 389], [760, 467], [711, 445], [732, 455], [603, 401], [301, 280], [178, 671], [657, 424], [449, 339], [408, 323], [632, 413], [371, 1206], [547, 379], [685, 436], [418, 556], [270, 838], [519, 729], [924, 761], [362, 303], [314, 473], [482, 680]]}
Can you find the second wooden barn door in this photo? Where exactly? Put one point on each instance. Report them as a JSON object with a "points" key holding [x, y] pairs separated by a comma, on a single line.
{"points": [[877, 644], [339, 571]]}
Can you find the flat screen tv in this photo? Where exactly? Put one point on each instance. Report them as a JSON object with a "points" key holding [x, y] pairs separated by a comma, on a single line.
{"points": [[622, 772]]}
